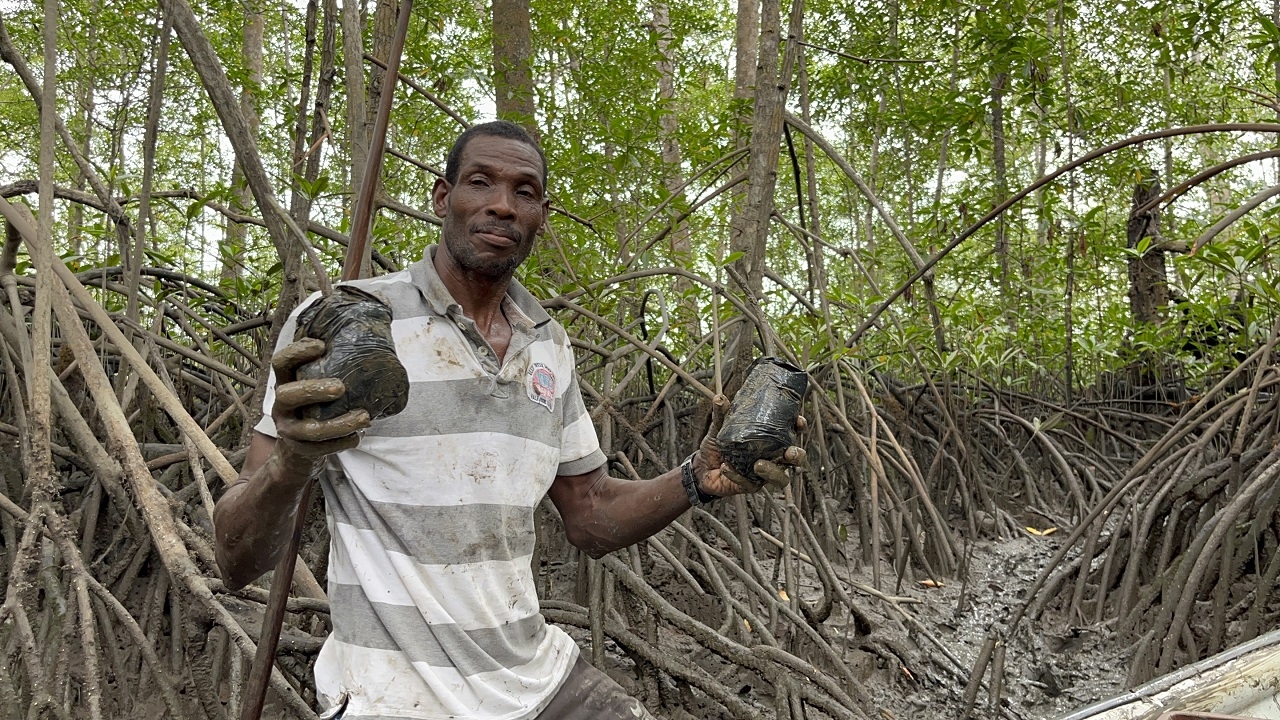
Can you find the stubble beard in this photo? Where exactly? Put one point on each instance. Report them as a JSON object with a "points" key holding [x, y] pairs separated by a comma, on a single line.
{"points": [[464, 254]]}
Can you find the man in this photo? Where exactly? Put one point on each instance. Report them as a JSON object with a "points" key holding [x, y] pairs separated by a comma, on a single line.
{"points": [[434, 609]]}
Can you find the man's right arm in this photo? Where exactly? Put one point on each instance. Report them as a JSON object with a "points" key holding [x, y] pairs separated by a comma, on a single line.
{"points": [[254, 518]]}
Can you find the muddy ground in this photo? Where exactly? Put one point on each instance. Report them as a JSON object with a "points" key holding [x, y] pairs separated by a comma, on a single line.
{"points": [[1051, 670], [1056, 667]]}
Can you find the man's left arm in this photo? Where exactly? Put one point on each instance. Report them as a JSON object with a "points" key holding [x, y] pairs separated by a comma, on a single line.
{"points": [[602, 514]]}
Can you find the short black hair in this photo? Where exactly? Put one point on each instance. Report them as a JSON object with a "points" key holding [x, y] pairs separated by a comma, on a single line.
{"points": [[496, 128]]}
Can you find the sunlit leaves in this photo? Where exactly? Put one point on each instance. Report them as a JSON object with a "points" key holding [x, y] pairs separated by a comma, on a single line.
{"points": [[1080, 75]]}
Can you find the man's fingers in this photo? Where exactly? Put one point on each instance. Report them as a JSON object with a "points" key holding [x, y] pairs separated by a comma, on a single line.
{"points": [[297, 353], [329, 447], [313, 431], [719, 409], [772, 472], [801, 423], [737, 479], [292, 395], [795, 456]]}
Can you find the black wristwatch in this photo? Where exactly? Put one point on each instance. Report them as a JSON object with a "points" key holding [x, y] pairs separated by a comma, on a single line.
{"points": [[697, 496]]}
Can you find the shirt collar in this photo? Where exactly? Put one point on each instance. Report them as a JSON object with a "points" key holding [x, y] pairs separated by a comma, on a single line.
{"points": [[427, 280]]}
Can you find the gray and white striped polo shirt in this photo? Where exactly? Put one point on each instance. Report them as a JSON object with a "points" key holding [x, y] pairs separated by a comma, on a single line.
{"points": [[434, 609]]}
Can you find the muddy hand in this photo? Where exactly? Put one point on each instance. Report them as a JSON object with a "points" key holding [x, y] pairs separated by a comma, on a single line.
{"points": [[717, 477], [720, 406], [776, 472], [306, 438], [707, 461]]}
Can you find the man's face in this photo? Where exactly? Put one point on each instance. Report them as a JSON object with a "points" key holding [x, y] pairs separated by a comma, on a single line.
{"points": [[494, 212]]}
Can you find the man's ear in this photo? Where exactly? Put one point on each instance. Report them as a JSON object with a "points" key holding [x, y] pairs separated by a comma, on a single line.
{"points": [[546, 215], [440, 196]]}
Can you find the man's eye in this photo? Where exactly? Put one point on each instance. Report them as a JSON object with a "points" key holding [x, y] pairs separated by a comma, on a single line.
{"points": [[479, 182]]}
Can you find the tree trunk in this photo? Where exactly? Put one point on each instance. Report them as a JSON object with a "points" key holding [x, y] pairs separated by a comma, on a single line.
{"points": [[873, 169], [615, 194], [115, 161], [251, 52], [1042, 146], [384, 31], [772, 85], [909, 141], [818, 272], [673, 175], [300, 204], [40, 478], [668, 125], [747, 46], [207, 65], [998, 83], [353, 73], [155, 102], [88, 86], [1076, 237], [513, 63], [1219, 191], [1068, 316], [1148, 279]]}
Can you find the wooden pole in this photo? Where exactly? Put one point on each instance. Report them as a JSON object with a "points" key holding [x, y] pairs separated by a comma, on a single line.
{"points": [[273, 619], [363, 211], [269, 639]]}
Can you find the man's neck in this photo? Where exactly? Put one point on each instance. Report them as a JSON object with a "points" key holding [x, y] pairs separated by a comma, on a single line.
{"points": [[480, 296]]}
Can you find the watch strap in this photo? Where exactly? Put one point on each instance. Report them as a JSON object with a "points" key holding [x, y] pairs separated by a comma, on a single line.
{"points": [[697, 496]]}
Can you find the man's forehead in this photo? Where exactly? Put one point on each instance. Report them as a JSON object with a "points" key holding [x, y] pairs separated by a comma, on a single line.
{"points": [[499, 153]]}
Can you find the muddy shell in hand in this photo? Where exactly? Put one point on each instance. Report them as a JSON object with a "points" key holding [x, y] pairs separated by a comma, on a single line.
{"points": [[359, 350], [761, 423]]}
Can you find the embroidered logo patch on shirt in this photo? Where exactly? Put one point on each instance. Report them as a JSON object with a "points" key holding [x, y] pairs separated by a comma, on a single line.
{"points": [[542, 386]]}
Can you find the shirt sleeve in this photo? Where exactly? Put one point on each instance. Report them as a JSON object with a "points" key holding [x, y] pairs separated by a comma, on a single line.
{"points": [[266, 425], [579, 446]]}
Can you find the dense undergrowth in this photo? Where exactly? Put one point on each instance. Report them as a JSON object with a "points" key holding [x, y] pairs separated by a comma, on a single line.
{"points": [[971, 318]]}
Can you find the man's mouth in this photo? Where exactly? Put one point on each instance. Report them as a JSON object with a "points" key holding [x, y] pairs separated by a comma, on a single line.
{"points": [[497, 236]]}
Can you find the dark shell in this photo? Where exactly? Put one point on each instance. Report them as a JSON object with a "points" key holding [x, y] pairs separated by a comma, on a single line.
{"points": [[761, 423], [356, 329]]}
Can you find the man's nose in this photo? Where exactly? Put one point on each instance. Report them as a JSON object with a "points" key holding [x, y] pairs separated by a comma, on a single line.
{"points": [[502, 204]]}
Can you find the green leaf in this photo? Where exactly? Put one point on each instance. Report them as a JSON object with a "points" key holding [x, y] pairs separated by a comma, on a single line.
{"points": [[1053, 421], [160, 258], [196, 207]]}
